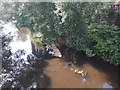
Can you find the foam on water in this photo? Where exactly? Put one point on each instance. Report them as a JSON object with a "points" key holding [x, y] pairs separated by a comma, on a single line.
{"points": [[9, 28], [17, 43], [23, 45]]}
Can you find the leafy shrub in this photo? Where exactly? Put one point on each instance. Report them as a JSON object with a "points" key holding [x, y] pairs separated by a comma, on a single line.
{"points": [[107, 41], [77, 29]]}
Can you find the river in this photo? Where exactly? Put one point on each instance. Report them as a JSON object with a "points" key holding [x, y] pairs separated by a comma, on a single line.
{"points": [[26, 70]]}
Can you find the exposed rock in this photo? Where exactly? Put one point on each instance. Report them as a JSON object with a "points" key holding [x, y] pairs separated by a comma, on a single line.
{"points": [[50, 50]]}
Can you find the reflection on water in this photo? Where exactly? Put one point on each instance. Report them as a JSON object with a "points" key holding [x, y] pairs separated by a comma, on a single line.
{"points": [[106, 85]]}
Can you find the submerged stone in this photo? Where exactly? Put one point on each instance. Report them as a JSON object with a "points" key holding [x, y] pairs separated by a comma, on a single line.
{"points": [[106, 85]]}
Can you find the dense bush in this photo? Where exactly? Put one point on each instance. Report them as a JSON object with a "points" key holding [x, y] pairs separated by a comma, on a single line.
{"points": [[74, 29], [39, 17], [73, 24], [106, 41]]}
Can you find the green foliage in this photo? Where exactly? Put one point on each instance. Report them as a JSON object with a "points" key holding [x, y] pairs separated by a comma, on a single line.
{"points": [[92, 12], [74, 28], [37, 16], [73, 25], [107, 41], [82, 34], [6, 10]]}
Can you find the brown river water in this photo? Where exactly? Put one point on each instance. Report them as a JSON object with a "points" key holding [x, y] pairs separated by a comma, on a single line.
{"points": [[63, 76], [58, 73]]}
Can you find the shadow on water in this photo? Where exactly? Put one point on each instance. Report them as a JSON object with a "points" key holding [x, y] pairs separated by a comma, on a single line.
{"points": [[102, 65], [95, 64], [107, 68]]}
